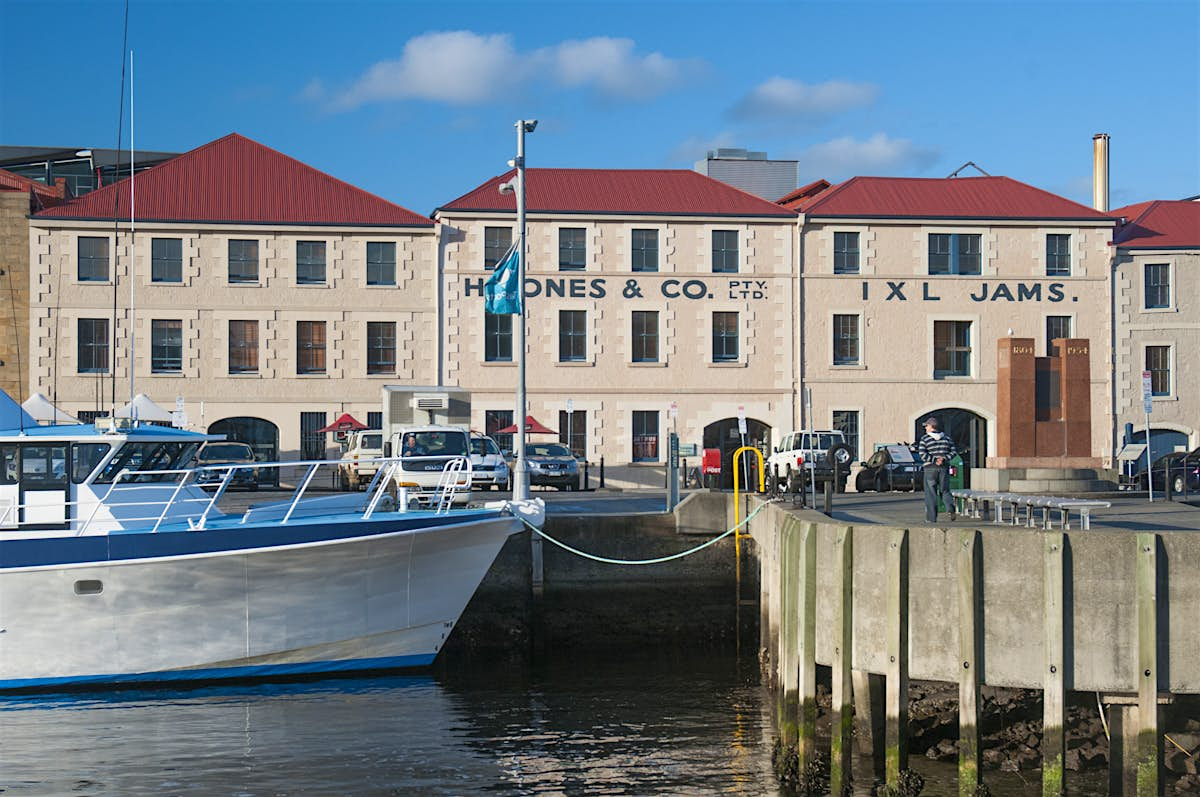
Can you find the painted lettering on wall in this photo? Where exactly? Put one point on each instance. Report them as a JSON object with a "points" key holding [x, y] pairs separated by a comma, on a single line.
{"points": [[598, 288], [998, 292]]}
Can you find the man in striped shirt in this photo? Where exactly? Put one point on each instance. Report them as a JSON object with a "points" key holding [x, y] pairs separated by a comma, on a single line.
{"points": [[936, 449]]}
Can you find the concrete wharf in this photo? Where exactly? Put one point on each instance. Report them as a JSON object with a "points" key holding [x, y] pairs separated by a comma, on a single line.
{"points": [[880, 597]]}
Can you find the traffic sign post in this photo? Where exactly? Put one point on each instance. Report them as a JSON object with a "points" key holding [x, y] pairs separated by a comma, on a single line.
{"points": [[1147, 405]]}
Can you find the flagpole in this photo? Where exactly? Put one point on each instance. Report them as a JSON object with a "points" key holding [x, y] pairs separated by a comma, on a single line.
{"points": [[521, 474]]}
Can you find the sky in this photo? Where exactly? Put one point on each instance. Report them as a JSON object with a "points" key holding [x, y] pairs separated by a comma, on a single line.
{"points": [[416, 101]]}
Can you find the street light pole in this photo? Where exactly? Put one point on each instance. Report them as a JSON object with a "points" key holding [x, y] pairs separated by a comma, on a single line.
{"points": [[521, 476]]}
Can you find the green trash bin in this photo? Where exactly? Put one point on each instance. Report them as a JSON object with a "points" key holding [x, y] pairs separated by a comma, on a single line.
{"points": [[956, 477]]}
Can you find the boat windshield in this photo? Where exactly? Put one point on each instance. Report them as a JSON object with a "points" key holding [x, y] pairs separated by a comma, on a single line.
{"points": [[161, 455]]}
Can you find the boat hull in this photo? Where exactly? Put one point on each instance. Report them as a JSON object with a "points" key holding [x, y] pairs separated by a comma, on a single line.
{"points": [[329, 597]]}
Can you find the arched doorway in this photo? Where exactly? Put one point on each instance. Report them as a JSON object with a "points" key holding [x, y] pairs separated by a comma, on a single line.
{"points": [[967, 429], [260, 435], [723, 434]]}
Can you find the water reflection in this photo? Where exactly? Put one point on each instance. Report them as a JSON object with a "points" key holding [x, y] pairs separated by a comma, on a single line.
{"points": [[682, 726]]}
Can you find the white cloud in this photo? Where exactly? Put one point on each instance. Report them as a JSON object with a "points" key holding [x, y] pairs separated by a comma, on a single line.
{"points": [[783, 98], [879, 155], [467, 68]]}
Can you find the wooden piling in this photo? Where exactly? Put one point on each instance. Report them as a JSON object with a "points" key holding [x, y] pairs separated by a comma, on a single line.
{"points": [[1148, 752], [896, 722], [806, 652], [1054, 738], [969, 636], [843, 624], [789, 589]]}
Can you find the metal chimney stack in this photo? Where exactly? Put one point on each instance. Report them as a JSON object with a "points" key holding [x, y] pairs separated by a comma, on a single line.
{"points": [[1100, 172]]}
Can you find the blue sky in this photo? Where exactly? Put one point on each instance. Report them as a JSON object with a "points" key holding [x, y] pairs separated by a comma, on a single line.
{"points": [[416, 101]]}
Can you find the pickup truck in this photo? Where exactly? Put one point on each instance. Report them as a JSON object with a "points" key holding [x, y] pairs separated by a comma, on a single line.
{"points": [[364, 445], [809, 452]]}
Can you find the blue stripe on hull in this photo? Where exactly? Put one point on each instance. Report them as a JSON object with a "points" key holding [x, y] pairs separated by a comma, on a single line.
{"points": [[122, 546], [223, 673]]}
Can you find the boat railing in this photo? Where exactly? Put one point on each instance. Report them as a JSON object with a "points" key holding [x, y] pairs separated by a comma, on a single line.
{"points": [[389, 489]]}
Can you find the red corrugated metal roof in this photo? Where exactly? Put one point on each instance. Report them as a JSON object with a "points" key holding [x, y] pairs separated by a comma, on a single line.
{"points": [[673, 192], [804, 194], [945, 198], [1159, 225], [234, 179], [15, 182]]}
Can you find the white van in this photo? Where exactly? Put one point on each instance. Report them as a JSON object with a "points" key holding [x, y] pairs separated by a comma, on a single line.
{"points": [[427, 453], [359, 464], [488, 467]]}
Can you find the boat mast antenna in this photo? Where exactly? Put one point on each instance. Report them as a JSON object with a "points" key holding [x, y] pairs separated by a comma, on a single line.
{"points": [[117, 219]]}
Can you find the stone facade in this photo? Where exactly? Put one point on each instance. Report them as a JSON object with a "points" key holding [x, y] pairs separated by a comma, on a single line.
{"points": [[14, 290]]}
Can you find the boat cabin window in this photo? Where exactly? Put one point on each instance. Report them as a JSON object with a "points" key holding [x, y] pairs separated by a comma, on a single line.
{"points": [[44, 466], [84, 459], [9, 463], [146, 457]]}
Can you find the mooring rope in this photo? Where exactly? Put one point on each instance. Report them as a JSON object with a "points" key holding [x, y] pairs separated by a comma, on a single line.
{"points": [[659, 560]]}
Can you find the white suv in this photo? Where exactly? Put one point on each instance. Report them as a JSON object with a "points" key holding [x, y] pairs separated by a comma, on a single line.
{"points": [[488, 468], [814, 452], [354, 471]]}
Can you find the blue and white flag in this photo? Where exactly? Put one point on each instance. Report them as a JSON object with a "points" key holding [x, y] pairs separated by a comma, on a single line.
{"points": [[502, 291]]}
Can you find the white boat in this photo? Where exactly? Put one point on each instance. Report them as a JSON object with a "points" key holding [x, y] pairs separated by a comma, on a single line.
{"points": [[116, 567]]}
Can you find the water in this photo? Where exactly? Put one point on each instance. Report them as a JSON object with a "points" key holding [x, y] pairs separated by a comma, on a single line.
{"points": [[692, 725], [666, 723]]}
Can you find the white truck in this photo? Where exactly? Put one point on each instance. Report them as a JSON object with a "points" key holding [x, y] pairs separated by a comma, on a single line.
{"points": [[810, 453], [360, 462], [432, 458]]}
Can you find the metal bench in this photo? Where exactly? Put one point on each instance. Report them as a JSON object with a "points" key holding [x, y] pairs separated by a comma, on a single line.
{"points": [[1020, 508]]}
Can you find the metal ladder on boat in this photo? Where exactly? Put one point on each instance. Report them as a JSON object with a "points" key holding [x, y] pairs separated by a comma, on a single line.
{"points": [[452, 479]]}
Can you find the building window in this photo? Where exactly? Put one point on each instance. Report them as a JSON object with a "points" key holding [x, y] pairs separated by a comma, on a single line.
{"points": [[1158, 285], [954, 253], [951, 348], [1058, 255], [93, 345], [1158, 363], [645, 436], [93, 259], [499, 419], [572, 431], [645, 336], [725, 337], [166, 347], [312, 442], [846, 421], [643, 254], [572, 336], [1057, 326], [497, 338], [725, 251], [243, 261], [845, 340], [374, 419], [310, 262], [381, 263], [310, 347], [243, 347], [496, 243], [572, 249], [166, 260], [845, 253], [381, 347]]}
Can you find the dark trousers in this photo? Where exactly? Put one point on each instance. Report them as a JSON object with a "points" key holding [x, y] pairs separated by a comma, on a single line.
{"points": [[937, 484]]}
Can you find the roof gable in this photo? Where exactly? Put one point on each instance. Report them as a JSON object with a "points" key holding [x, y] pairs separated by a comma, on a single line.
{"points": [[1159, 225], [237, 180], [667, 192], [946, 198]]}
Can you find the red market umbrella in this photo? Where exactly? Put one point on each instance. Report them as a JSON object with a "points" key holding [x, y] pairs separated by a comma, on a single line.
{"points": [[346, 423], [532, 426]]}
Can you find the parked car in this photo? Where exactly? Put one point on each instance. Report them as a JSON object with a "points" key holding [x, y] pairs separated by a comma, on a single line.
{"points": [[892, 467], [363, 445], [488, 467], [226, 453], [552, 464], [806, 451], [1180, 469]]}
